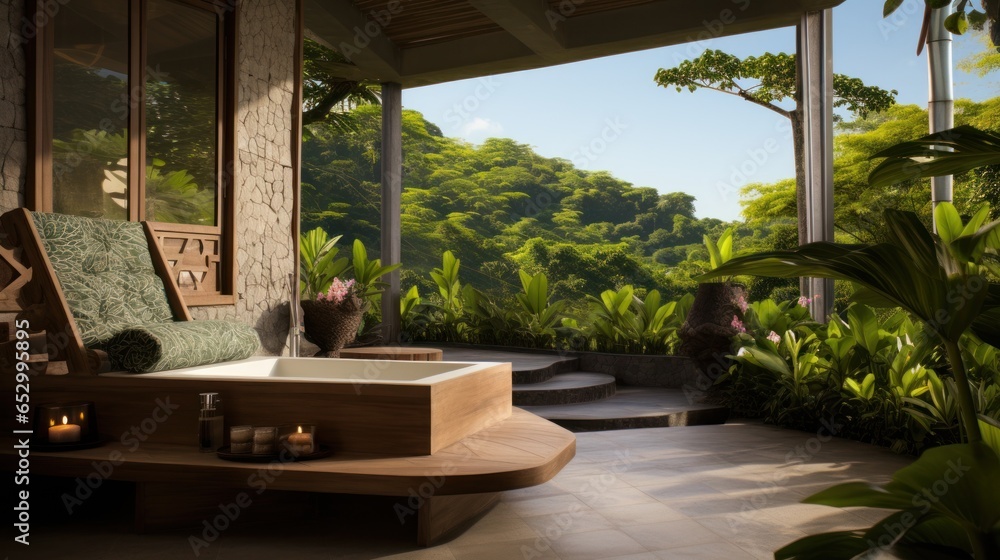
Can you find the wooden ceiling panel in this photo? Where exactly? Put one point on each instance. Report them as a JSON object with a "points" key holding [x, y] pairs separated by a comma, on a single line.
{"points": [[571, 8], [425, 22]]}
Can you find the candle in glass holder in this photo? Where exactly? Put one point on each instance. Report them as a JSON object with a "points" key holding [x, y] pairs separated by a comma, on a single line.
{"points": [[64, 433], [300, 443]]}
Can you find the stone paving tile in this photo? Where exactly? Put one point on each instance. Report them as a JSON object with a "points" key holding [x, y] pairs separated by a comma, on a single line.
{"points": [[667, 534], [595, 545], [707, 492]]}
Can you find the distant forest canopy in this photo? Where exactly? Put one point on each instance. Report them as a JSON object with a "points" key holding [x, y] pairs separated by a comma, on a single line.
{"points": [[500, 206]]}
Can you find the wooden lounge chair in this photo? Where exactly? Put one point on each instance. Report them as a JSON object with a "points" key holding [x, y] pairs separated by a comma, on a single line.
{"points": [[103, 293]]}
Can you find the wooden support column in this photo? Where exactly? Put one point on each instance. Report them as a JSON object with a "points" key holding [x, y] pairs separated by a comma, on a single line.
{"points": [[815, 59], [392, 190]]}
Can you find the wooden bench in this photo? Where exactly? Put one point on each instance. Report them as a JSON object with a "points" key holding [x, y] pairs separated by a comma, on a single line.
{"points": [[404, 353], [178, 485]]}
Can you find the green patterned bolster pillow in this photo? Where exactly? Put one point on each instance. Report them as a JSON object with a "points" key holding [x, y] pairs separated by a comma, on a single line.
{"points": [[181, 344]]}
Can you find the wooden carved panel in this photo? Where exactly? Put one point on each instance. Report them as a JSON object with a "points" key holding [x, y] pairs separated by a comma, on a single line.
{"points": [[15, 273], [196, 262]]}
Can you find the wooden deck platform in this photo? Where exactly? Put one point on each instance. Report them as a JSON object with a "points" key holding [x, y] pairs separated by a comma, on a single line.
{"points": [[456, 484]]}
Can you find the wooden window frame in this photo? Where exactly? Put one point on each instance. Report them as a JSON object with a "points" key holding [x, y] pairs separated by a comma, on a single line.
{"points": [[40, 102]]}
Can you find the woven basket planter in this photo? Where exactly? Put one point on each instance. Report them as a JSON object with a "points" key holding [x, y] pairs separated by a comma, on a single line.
{"points": [[707, 334], [331, 326]]}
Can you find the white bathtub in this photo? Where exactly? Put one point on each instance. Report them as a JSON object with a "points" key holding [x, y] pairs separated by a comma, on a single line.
{"points": [[390, 372]]}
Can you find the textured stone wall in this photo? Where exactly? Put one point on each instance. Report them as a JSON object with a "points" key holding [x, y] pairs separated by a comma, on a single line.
{"points": [[263, 172], [13, 131]]}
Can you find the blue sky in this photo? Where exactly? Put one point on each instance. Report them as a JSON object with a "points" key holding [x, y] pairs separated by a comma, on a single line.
{"points": [[608, 114]]}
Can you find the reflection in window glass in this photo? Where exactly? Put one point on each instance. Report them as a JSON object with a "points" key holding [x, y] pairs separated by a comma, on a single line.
{"points": [[181, 113], [90, 109]]}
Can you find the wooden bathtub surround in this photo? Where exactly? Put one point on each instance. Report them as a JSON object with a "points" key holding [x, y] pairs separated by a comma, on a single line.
{"points": [[401, 420]]}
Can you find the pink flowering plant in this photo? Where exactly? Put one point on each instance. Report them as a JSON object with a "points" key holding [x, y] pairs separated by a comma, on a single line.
{"points": [[339, 291]]}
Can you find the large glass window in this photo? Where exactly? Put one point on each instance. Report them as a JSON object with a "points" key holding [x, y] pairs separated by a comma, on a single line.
{"points": [[182, 127], [90, 59], [133, 120]]}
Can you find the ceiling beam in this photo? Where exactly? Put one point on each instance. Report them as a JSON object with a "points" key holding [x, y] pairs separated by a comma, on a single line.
{"points": [[359, 39], [677, 22], [339, 70], [532, 22], [528, 42], [469, 57]]}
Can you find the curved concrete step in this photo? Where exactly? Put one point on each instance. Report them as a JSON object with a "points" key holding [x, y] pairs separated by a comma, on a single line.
{"points": [[528, 367], [524, 374], [634, 407], [566, 388]]}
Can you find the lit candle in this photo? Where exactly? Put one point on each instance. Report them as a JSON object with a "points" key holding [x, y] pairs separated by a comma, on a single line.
{"points": [[300, 443], [65, 433]]}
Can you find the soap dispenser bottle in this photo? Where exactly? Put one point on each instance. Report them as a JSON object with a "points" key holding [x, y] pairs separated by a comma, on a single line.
{"points": [[210, 423]]}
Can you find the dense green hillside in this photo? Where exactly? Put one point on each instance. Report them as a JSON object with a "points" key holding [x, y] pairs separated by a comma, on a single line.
{"points": [[499, 206]]}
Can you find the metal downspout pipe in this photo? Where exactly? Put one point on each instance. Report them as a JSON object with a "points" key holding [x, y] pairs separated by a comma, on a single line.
{"points": [[941, 95]]}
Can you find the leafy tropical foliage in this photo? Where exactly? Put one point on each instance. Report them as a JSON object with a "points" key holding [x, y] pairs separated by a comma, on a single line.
{"points": [[939, 279], [318, 263]]}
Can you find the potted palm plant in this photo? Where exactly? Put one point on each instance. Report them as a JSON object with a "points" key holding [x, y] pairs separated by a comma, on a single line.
{"points": [[332, 306], [716, 315]]}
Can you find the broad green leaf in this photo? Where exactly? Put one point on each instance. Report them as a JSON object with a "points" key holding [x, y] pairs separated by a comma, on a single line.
{"points": [[972, 245], [949, 223], [714, 257], [990, 429], [864, 327], [890, 6], [825, 546], [525, 280], [914, 531], [949, 152], [860, 494], [765, 359], [726, 246], [957, 23], [957, 481]]}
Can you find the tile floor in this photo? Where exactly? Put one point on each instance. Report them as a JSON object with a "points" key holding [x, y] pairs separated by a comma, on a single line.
{"points": [[705, 492]]}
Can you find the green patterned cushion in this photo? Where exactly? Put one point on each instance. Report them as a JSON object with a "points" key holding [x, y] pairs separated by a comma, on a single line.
{"points": [[180, 345], [106, 274]]}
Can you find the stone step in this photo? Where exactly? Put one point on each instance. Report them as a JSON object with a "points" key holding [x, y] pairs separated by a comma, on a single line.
{"points": [[527, 366], [633, 407], [565, 388]]}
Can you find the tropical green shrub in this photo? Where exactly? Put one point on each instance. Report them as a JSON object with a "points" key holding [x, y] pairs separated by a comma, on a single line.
{"points": [[318, 262], [879, 378], [319, 265], [460, 313], [940, 280], [538, 318], [622, 322]]}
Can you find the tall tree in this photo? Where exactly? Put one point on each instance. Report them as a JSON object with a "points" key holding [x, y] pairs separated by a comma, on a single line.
{"points": [[766, 81], [332, 86]]}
